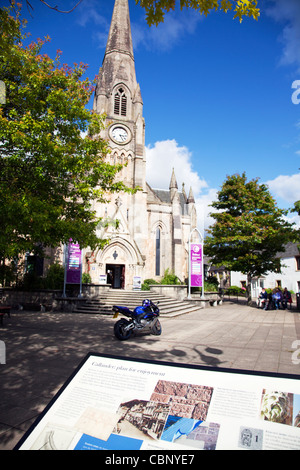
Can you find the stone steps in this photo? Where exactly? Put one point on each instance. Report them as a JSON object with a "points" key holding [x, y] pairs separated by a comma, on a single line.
{"points": [[132, 299]]}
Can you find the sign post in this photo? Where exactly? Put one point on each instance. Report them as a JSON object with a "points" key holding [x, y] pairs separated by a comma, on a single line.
{"points": [[196, 277], [73, 266]]}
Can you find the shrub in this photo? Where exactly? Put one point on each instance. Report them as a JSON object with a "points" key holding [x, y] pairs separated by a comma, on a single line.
{"points": [[86, 278], [55, 277], [211, 286], [170, 278], [7, 275], [147, 282], [31, 281], [235, 290], [213, 280]]}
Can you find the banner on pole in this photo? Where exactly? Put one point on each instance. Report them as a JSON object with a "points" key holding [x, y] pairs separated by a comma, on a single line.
{"points": [[74, 264], [196, 265]]}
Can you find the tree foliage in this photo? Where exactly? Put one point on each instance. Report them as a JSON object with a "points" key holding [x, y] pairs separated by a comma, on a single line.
{"points": [[51, 166], [296, 207], [156, 9], [249, 229]]}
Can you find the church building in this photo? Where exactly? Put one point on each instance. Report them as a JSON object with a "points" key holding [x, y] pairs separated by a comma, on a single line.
{"points": [[154, 225]]}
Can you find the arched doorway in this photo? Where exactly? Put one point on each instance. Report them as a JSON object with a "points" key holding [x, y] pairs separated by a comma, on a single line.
{"points": [[116, 275], [119, 261]]}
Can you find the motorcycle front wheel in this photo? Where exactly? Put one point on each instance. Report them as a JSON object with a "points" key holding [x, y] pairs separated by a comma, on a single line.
{"points": [[156, 328], [119, 330]]}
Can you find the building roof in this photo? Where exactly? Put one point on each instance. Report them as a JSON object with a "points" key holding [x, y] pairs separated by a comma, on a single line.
{"points": [[291, 250], [164, 197]]}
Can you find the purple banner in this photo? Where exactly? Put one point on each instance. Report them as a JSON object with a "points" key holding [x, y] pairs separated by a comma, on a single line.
{"points": [[196, 265], [74, 264]]}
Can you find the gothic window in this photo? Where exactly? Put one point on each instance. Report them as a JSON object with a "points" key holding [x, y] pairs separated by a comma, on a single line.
{"points": [[120, 103], [157, 252], [113, 158]]}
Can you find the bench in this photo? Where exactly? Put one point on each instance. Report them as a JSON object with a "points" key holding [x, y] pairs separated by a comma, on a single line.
{"points": [[289, 302], [215, 302], [4, 309]]}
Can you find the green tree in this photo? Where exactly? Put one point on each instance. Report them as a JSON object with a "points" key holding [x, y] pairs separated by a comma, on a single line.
{"points": [[52, 167], [249, 229], [296, 207], [156, 9]]}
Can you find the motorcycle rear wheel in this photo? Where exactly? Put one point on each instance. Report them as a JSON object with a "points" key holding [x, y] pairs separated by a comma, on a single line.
{"points": [[119, 331]]}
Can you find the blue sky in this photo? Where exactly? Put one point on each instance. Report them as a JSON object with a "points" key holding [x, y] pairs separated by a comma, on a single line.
{"points": [[217, 93]]}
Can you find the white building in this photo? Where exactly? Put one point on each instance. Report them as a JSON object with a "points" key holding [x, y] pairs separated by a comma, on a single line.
{"points": [[288, 277]]}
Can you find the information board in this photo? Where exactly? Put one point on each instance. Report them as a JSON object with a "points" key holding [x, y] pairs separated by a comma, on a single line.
{"points": [[74, 264], [112, 403], [196, 264]]}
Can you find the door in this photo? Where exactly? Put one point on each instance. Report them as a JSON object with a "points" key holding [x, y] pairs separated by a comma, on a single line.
{"points": [[116, 275]]}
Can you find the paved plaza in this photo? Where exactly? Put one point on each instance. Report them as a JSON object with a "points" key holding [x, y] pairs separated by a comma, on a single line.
{"points": [[43, 349]]}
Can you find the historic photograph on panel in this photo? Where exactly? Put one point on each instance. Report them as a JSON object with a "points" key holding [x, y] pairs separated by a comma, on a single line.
{"points": [[185, 400], [140, 418]]}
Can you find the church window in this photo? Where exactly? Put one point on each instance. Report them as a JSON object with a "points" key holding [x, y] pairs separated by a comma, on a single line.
{"points": [[117, 103], [157, 252], [120, 103], [123, 105], [113, 158]]}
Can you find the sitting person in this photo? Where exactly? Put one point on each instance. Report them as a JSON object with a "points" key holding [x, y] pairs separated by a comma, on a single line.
{"points": [[277, 298], [286, 298], [262, 299]]}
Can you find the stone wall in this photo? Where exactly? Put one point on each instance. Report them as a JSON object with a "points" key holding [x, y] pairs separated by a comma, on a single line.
{"points": [[46, 300]]}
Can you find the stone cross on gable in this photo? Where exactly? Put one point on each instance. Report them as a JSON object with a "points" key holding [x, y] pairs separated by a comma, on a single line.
{"points": [[118, 201]]}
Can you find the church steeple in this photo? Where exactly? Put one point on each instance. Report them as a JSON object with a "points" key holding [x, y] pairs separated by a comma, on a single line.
{"points": [[117, 74], [173, 182], [191, 198], [119, 38], [118, 95]]}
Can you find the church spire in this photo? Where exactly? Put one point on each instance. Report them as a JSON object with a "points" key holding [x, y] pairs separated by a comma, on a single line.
{"points": [[173, 182], [117, 75], [191, 198], [119, 38]]}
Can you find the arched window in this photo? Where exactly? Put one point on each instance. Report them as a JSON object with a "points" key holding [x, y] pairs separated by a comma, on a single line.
{"points": [[157, 252], [120, 103]]}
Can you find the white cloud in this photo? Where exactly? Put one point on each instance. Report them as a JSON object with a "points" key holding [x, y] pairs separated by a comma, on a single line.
{"points": [[162, 37], [88, 15], [203, 209], [167, 34], [286, 187], [164, 156], [88, 12], [288, 12]]}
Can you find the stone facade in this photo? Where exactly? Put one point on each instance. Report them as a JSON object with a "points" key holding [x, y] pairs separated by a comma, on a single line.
{"points": [[154, 225]]}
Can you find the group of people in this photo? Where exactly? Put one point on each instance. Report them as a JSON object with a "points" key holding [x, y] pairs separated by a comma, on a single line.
{"points": [[276, 298]]}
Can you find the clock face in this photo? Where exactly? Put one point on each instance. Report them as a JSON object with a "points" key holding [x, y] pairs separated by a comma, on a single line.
{"points": [[120, 134]]}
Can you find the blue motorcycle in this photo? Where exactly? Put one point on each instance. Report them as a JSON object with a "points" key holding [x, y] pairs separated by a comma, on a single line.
{"points": [[142, 317]]}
